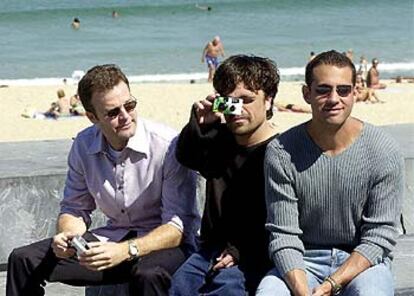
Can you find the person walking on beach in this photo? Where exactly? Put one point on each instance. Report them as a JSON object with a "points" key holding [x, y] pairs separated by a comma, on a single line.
{"points": [[373, 80], [228, 151], [211, 53], [334, 190], [126, 166], [363, 68]]}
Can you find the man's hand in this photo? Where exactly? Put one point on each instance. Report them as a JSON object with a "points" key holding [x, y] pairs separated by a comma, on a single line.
{"points": [[224, 261], [204, 113], [61, 245], [325, 289], [104, 255]]}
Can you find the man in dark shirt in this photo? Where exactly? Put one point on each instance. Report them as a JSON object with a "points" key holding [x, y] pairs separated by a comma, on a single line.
{"points": [[228, 150]]}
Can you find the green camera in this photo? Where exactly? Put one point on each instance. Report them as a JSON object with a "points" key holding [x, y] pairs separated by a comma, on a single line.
{"points": [[228, 105]]}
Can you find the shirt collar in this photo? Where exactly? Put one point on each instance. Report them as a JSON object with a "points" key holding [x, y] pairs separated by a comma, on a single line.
{"points": [[139, 142]]}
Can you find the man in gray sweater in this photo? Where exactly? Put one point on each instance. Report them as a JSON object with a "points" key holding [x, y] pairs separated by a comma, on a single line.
{"points": [[334, 190]]}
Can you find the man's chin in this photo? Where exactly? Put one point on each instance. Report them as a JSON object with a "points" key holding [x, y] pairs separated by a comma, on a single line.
{"points": [[127, 132]]}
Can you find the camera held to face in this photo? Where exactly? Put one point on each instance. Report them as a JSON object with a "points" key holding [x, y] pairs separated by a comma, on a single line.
{"points": [[228, 105]]}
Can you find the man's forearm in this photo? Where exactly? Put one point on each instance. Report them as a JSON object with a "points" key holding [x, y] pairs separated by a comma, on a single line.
{"points": [[163, 237], [353, 266], [297, 282], [70, 223]]}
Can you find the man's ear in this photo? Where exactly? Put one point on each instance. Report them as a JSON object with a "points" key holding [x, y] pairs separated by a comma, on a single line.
{"points": [[268, 103], [306, 93], [91, 117], [354, 93]]}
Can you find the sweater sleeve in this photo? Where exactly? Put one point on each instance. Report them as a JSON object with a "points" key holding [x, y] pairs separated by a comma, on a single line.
{"points": [[205, 149], [285, 248], [383, 208]]}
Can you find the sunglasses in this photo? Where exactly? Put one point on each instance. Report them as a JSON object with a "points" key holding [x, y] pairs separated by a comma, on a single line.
{"points": [[128, 106], [341, 90]]}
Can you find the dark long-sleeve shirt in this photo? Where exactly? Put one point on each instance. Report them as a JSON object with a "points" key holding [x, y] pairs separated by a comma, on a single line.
{"points": [[235, 211]]}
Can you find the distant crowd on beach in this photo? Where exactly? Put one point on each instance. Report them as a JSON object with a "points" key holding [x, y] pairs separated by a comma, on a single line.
{"points": [[367, 80], [61, 108]]}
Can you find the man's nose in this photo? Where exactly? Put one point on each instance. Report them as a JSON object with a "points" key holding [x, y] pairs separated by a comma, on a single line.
{"points": [[123, 114], [333, 96]]}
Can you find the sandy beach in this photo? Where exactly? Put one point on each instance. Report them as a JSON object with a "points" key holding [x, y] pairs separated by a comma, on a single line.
{"points": [[170, 103]]}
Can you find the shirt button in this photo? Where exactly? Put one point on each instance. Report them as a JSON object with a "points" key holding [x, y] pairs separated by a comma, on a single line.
{"points": [[123, 211], [120, 187], [122, 164]]}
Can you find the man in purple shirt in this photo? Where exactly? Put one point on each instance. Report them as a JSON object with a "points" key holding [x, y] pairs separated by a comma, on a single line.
{"points": [[126, 166]]}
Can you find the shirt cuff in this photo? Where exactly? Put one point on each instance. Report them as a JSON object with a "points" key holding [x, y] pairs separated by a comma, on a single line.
{"points": [[176, 222], [288, 259]]}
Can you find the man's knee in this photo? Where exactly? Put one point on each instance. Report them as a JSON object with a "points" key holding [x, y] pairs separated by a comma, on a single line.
{"points": [[152, 274], [150, 281], [272, 282], [375, 281], [19, 255]]}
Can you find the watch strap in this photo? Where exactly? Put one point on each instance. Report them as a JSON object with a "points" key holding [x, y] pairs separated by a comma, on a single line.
{"points": [[132, 250], [336, 288]]}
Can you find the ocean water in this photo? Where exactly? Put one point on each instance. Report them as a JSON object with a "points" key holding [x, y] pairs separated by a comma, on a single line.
{"points": [[155, 40]]}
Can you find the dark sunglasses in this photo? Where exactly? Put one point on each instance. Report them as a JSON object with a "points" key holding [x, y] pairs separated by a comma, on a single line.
{"points": [[128, 106], [341, 90]]}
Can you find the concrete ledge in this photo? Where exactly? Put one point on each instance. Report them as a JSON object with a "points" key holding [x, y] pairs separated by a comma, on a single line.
{"points": [[32, 177]]}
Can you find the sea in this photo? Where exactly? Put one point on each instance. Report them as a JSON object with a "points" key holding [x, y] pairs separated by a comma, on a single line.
{"points": [[162, 40]]}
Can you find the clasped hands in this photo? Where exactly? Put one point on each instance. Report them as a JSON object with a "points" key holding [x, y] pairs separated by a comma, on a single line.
{"points": [[100, 256]]}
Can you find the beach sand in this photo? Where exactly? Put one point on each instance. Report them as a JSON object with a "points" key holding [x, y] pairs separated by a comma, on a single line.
{"points": [[170, 103]]}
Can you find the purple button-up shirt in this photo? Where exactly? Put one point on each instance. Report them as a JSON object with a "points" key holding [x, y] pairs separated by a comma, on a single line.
{"points": [[140, 190]]}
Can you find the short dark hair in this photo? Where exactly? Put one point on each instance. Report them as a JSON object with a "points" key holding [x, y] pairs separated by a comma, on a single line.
{"points": [[256, 73], [331, 57], [100, 78]]}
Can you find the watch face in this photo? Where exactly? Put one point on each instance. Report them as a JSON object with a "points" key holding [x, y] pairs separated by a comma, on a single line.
{"points": [[133, 250]]}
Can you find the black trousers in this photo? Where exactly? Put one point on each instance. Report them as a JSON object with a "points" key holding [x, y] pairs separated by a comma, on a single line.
{"points": [[31, 266]]}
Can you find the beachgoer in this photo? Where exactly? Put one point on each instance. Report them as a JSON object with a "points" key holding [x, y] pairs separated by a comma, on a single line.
{"points": [[288, 107], [115, 14], [334, 189], [363, 93], [203, 7], [373, 80], [350, 54], [311, 56], [76, 23], [59, 108], [211, 54], [76, 107], [363, 67], [228, 151], [77, 75], [126, 166]]}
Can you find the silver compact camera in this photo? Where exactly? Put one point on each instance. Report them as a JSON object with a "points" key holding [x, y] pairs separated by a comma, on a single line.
{"points": [[79, 244], [228, 105]]}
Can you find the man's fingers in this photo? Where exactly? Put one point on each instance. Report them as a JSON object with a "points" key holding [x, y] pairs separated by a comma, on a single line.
{"points": [[96, 265], [224, 262]]}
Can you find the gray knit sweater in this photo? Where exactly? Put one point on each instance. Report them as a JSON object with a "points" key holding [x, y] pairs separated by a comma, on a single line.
{"points": [[350, 200]]}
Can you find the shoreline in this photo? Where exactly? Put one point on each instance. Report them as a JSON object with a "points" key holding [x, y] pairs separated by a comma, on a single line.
{"points": [[294, 73], [170, 103]]}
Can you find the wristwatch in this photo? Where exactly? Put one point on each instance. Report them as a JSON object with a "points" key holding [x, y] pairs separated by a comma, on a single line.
{"points": [[132, 250], [336, 288]]}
